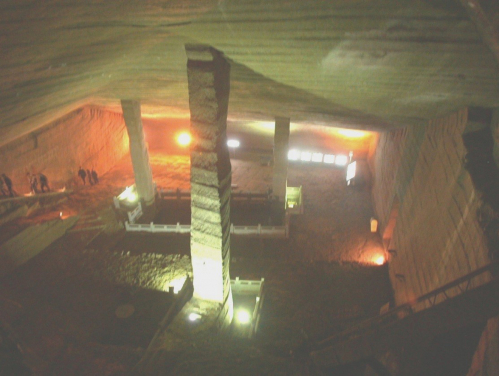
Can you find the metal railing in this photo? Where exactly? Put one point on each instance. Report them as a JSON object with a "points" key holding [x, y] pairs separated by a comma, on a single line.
{"points": [[135, 213], [264, 231], [184, 194], [463, 284]]}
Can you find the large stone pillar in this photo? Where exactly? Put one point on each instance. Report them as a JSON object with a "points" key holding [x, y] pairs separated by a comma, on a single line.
{"points": [[495, 134], [279, 180], [138, 152], [208, 76]]}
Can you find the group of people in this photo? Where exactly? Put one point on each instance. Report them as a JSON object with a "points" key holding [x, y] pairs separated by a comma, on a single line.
{"points": [[6, 186], [92, 176], [38, 183], [33, 182]]}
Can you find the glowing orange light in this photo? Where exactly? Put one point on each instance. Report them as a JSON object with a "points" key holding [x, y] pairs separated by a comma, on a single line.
{"points": [[352, 133], [379, 260], [184, 138]]}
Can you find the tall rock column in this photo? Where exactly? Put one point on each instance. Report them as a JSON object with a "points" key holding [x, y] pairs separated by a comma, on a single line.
{"points": [[208, 75], [495, 135], [139, 153], [280, 177]]}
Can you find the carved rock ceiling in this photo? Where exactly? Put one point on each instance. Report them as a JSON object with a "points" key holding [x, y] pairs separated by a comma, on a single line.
{"points": [[368, 64]]}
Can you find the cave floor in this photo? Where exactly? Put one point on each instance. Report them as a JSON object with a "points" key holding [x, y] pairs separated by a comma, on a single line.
{"points": [[63, 303]]}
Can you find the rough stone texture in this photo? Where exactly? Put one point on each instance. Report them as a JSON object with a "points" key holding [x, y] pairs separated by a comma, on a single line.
{"points": [[485, 361], [437, 237], [138, 151], [29, 243], [317, 61], [89, 137], [208, 75], [281, 146], [495, 134]]}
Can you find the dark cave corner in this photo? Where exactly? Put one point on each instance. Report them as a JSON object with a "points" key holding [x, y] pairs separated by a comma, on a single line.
{"points": [[479, 142]]}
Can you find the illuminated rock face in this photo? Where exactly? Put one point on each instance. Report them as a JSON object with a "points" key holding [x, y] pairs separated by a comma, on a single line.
{"points": [[138, 151], [208, 75]]}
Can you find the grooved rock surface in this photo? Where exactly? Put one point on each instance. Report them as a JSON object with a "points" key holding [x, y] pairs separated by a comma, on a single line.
{"points": [[208, 73], [88, 137], [438, 236], [364, 63]]}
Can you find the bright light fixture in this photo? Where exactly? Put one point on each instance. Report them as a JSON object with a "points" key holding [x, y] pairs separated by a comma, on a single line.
{"points": [[380, 260], [341, 160], [233, 143], [329, 158], [306, 156], [184, 138], [194, 316], [352, 133], [128, 194], [293, 155], [243, 316], [351, 169], [317, 157]]}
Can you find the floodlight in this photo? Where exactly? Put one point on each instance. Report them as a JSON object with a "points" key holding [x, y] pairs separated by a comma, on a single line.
{"points": [[329, 158], [233, 143], [306, 156], [184, 138], [317, 157], [243, 316], [293, 155], [194, 316], [380, 260], [341, 160]]}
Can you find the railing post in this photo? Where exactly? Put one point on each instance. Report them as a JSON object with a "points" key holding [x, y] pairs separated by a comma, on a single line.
{"points": [[151, 225]]}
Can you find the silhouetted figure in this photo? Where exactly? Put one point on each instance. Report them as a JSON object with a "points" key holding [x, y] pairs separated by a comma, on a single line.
{"points": [[44, 183], [2, 187], [95, 177], [33, 183], [30, 182], [90, 180], [8, 183], [82, 174]]}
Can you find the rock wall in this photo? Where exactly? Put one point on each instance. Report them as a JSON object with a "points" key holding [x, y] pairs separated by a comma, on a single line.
{"points": [[89, 136], [485, 361], [427, 206]]}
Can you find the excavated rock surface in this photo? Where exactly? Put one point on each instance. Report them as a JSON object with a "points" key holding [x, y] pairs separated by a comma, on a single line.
{"points": [[316, 61]]}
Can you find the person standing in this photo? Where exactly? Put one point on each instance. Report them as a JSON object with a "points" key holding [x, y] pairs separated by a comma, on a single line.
{"points": [[90, 180], [82, 174], [8, 183], [44, 183], [95, 176], [34, 184], [30, 182], [2, 187]]}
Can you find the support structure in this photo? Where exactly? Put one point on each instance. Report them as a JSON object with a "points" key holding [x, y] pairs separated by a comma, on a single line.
{"points": [[208, 75], [495, 135], [280, 177], [140, 156]]}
